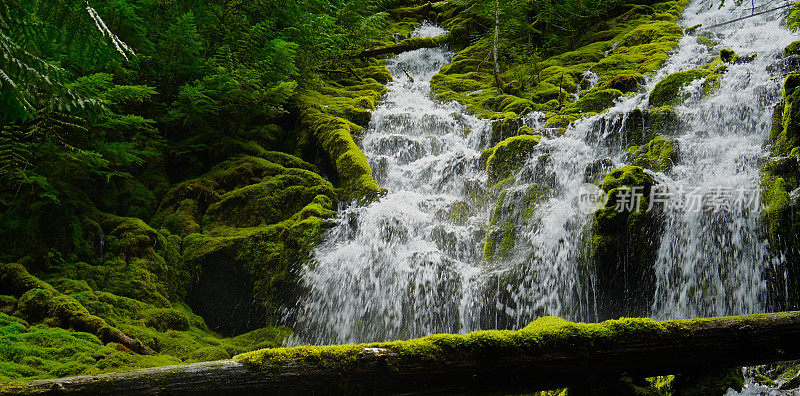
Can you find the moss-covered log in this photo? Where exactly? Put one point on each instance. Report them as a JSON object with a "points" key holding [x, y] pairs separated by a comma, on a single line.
{"points": [[408, 44], [548, 353]]}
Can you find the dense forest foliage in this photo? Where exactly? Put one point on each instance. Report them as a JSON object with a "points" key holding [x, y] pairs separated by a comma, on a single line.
{"points": [[166, 166]]}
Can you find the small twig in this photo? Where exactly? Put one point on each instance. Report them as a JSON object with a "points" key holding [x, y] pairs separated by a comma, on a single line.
{"points": [[407, 75], [749, 16]]}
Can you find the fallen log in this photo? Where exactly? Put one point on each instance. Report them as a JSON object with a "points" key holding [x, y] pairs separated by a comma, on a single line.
{"points": [[549, 353], [408, 44], [416, 12]]}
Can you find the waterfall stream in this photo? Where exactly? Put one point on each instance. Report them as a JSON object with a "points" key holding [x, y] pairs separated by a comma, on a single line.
{"points": [[712, 262], [406, 265], [412, 263]]}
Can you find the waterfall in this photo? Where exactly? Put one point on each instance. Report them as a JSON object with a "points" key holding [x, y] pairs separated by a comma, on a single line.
{"points": [[712, 262], [412, 263], [406, 265]]}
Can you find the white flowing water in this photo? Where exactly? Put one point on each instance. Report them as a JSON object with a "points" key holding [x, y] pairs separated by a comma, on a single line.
{"points": [[712, 262], [406, 265], [412, 263]]}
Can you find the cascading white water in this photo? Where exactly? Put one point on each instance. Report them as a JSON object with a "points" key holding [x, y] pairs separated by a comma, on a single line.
{"points": [[708, 263], [406, 265], [411, 264], [712, 262]]}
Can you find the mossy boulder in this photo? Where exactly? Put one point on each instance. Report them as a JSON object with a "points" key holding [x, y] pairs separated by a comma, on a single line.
{"points": [[505, 126], [596, 101], [507, 156], [625, 82], [668, 90], [643, 125], [7, 303], [246, 228], [792, 49], [248, 275], [625, 243], [268, 202], [659, 154], [40, 351], [163, 319]]}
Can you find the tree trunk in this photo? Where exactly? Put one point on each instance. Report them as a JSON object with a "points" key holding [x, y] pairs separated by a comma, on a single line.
{"points": [[546, 355], [497, 80]]}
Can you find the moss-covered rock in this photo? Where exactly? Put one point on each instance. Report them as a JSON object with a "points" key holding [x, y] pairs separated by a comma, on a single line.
{"points": [[668, 90], [788, 136], [504, 126], [792, 49], [625, 243], [625, 82], [507, 156], [163, 319], [659, 154], [643, 125], [40, 302], [781, 202], [596, 101], [41, 351]]}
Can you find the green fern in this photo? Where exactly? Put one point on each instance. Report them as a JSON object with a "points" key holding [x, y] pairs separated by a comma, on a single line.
{"points": [[28, 81]]}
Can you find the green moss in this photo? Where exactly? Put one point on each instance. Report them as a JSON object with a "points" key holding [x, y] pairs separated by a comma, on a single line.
{"points": [[789, 136], [163, 319], [42, 303], [500, 241], [507, 156], [7, 304], [335, 136], [659, 154], [792, 49], [625, 82], [596, 101], [644, 39], [460, 211], [624, 243], [779, 177], [563, 121], [33, 352], [545, 335], [668, 90], [711, 383], [271, 201]]}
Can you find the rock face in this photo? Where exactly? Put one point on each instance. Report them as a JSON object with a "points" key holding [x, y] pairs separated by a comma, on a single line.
{"points": [[780, 185], [626, 236], [250, 223]]}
